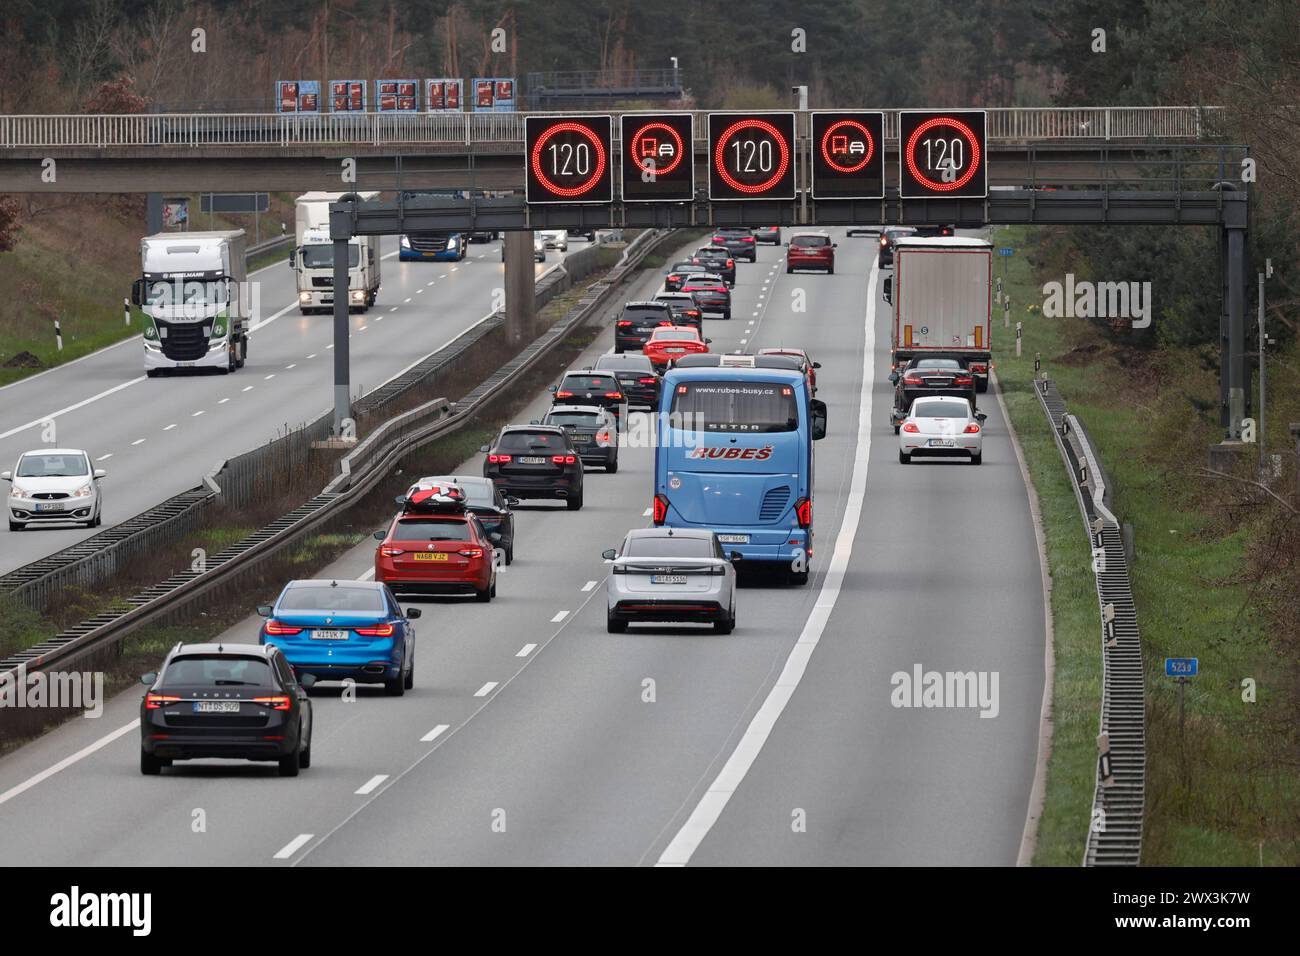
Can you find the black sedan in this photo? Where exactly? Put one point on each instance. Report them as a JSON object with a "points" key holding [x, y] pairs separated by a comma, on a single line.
{"points": [[232, 701], [491, 506], [923, 377], [738, 240], [535, 461], [718, 260]]}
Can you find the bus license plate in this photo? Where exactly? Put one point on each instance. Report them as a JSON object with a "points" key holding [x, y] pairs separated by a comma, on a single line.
{"points": [[430, 556], [734, 538], [329, 635], [216, 707], [667, 579]]}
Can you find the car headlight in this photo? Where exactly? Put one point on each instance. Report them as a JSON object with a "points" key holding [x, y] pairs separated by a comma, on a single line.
{"points": [[406, 243], [85, 491], [451, 243], [18, 492]]}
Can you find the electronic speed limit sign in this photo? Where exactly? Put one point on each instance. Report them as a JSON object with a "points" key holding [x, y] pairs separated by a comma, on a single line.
{"points": [[658, 162], [568, 159], [751, 156], [848, 154], [942, 153]]}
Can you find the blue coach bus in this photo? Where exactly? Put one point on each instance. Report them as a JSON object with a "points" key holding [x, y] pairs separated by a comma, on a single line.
{"points": [[734, 454]]}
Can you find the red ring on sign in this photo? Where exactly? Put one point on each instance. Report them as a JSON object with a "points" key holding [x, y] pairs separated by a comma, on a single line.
{"points": [[826, 153], [677, 140], [568, 191], [970, 141], [771, 131]]}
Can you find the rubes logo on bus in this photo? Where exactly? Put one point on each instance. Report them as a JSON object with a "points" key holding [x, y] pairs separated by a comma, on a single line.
{"points": [[731, 452]]}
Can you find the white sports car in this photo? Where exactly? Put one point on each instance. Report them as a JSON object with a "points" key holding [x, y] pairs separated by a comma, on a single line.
{"points": [[942, 426]]}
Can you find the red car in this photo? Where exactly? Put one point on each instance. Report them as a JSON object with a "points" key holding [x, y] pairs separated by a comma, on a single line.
{"points": [[806, 364], [670, 342], [436, 547], [810, 250]]}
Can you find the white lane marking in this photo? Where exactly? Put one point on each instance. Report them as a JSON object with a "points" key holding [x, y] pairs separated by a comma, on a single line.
{"points": [[366, 575], [755, 315], [104, 457], [249, 388], [485, 689], [407, 299], [743, 341], [259, 325], [67, 762], [369, 786], [454, 268], [363, 328], [379, 318], [393, 309], [589, 585], [168, 428], [293, 846], [430, 282], [312, 356], [435, 733], [294, 365], [419, 291], [197, 414], [526, 650], [269, 377], [706, 813], [138, 441], [391, 254], [331, 345], [223, 401], [71, 408], [560, 616]]}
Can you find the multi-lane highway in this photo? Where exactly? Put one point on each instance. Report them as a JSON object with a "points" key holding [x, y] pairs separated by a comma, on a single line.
{"points": [[534, 737], [158, 437]]}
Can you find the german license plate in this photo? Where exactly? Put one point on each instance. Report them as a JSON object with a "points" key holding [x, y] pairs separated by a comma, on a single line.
{"points": [[184, 364], [319, 635], [667, 579], [942, 443], [216, 707], [49, 507], [430, 556], [734, 538], [532, 460]]}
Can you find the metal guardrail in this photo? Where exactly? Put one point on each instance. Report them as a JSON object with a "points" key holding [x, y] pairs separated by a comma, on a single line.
{"points": [[266, 245], [102, 131], [92, 636], [1115, 830]]}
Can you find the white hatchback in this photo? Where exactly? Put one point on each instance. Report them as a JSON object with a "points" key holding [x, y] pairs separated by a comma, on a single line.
{"points": [[54, 485], [942, 426]]}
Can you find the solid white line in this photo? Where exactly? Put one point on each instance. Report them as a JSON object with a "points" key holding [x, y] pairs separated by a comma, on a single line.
{"points": [[526, 650], [435, 733], [71, 408], [683, 846], [168, 428], [293, 846], [369, 786], [67, 762], [104, 457], [559, 617], [589, 585], [485, 689], [138, 441]]}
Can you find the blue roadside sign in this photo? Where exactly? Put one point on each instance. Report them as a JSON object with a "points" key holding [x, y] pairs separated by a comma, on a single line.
{"points": [[1006, 251], [1181, 666]]}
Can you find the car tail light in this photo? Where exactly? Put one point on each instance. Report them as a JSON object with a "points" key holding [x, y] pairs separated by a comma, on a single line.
{"points": [[275, 627], [979, 368], [499, 459], [660, 509], [748, 238], [647, 381], [914, 378], [376, 630], [564, 394], [624, 324], [154, 701], [973, 428], [602, 436], [613, 394], [910, 428], [276, 702], [471, 552], [963, 380], [391, 552], [564, 459], [803, 511], [884, 241], [731, 263]]}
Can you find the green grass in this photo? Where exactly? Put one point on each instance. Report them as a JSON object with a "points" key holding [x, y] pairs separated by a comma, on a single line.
{"points": [[1232, 785]]}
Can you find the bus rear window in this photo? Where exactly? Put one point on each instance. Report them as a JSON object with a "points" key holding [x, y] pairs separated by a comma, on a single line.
{"points": [[737, 406]]}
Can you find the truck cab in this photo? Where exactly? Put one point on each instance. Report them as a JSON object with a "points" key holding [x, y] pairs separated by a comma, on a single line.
{"points": [[312, 257]]}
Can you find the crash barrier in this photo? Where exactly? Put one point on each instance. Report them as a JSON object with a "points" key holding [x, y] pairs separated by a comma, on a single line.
{"points": [[1119, 795]]}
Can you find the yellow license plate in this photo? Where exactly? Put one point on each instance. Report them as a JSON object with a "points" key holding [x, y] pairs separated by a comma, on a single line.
{"points": [[430, 556]]}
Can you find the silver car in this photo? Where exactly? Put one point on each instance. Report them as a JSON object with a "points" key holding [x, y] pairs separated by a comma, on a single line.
{"points": [[671, 574], [54, 484]]}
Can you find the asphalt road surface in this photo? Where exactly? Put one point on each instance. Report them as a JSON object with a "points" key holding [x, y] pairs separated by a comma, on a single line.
{"points": [[158, 437], [534, 737]]}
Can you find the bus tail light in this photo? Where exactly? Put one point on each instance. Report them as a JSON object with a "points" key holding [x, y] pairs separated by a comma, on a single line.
{"points": [[803, 511], [660, 509]]}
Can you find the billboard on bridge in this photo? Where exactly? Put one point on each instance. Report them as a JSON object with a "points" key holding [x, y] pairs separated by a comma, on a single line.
{"points": [[494, 94], [443, 95], [297, 96], [397, 96], [347, 96]]}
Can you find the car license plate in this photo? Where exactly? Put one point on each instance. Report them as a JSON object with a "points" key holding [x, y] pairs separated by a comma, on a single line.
{"points": [[674, 350], [49, 507], [329, 635], [430, 556], [216, 707], [667, 579], [942, 443], [734, 538], [532, 460], [184, 364]]}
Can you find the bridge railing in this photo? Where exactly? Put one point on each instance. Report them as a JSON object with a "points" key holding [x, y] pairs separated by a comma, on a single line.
{"points": [[1036, 124]]}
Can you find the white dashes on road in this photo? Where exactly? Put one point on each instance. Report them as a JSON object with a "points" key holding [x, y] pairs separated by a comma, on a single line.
{"points": [[369, 786], [293, 846], [589, 585], [435, 733], [560, 616], [486, 689], [526, 650]]}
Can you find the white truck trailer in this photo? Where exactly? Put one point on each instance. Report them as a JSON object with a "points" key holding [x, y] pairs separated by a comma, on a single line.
{"points": [[195, 299], [312, 258]]}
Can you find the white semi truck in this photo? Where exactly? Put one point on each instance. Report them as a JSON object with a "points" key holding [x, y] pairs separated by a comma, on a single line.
{"points": [[195, 300], [312, 258]]}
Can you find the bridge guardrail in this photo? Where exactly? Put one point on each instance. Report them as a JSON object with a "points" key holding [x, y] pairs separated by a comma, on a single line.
{"points": [[18, 131], [1118, 804]]}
